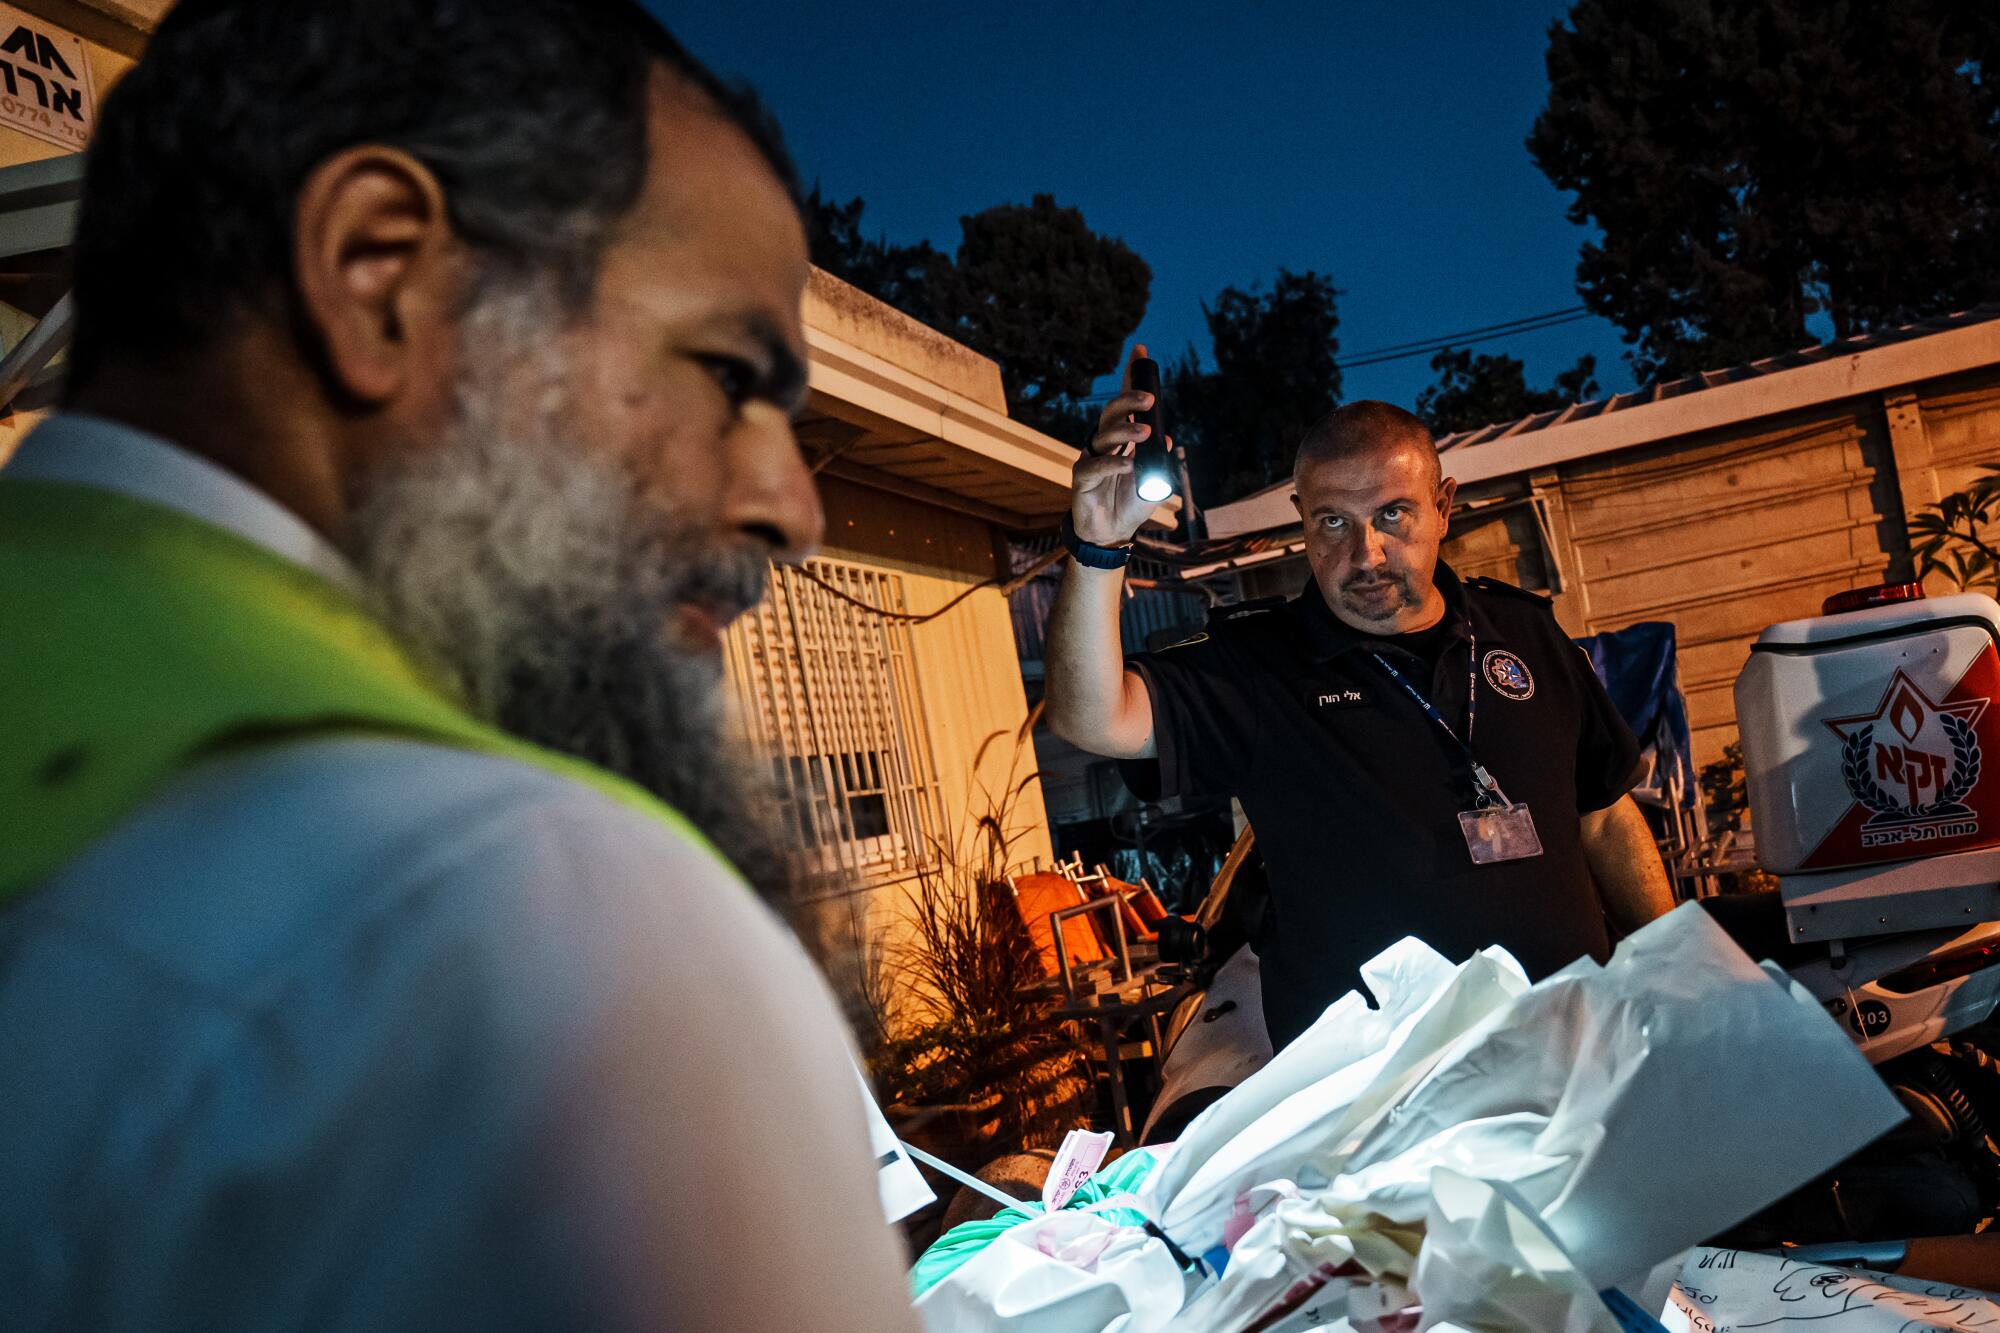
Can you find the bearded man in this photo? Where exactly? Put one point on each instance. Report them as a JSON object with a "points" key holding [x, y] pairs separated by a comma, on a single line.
{"points": [[371, 954]]}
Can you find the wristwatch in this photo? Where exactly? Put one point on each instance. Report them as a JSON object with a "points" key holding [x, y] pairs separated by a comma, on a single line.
{"points": [[1089, 554]]}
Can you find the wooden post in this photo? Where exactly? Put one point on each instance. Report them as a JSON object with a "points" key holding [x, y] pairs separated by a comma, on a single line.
{"points": [[1916, 471], [1573, 602]]}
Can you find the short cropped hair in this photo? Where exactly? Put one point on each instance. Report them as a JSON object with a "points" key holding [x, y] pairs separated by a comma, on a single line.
{"points": [[1357, 429], [532, 114]]}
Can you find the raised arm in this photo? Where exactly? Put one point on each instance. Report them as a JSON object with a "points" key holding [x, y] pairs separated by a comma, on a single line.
{"points": [[1093, 701]]}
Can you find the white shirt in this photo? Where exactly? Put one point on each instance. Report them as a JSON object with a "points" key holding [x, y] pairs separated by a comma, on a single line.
{"points": [[363, 1033]]}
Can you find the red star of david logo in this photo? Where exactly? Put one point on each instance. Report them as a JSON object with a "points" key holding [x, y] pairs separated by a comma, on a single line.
{"points": [[1909, 750]]}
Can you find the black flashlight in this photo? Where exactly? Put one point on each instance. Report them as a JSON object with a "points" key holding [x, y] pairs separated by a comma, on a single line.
{"points": [[1152, 469]]}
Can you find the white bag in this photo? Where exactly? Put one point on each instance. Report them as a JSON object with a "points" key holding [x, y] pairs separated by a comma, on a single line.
{"points": [[1297, 1116], [1723, 1291], [1623, 1110], [1060, 1271], [1507, 1152], [1640, 1107]]}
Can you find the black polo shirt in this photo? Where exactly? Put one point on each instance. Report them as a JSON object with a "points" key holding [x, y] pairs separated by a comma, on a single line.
{"points": [[1355, 792]]}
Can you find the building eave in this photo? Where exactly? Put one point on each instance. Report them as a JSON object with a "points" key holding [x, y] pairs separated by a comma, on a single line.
{"points": [[919, 431], [1857, 373]]}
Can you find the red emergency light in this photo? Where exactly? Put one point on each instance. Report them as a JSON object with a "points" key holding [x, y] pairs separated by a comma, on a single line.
{"points": [[1950, 965], [1860, 599]]}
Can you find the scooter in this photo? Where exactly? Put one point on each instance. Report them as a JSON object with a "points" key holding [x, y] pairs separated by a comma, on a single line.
{"points": [[1871, 751]]}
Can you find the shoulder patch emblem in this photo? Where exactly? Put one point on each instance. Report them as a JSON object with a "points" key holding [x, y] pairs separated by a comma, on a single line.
{"points": [[1508, 675]]}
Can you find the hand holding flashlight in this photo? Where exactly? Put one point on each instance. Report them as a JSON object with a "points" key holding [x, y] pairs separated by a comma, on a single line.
{"points": [[1129, 468], [1152, 464]]}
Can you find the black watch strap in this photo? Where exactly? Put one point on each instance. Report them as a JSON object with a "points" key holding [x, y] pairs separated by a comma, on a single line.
{"points": [[1089, 554]]}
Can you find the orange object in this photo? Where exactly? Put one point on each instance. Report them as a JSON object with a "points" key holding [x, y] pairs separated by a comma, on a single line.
{"points": [[1962, 1261], [1039, 894], [1142, 908], [1136, 926], [1149, 907]]}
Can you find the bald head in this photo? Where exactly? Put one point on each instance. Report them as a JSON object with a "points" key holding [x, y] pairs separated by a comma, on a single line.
{"points": [[1366, 429], [1375, 508]]}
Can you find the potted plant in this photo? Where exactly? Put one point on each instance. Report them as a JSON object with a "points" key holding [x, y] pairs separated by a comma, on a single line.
{"points": [[978, 1064]]}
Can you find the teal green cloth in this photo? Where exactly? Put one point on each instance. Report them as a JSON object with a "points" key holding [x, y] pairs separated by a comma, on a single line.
{"points": [[957, 1246]]}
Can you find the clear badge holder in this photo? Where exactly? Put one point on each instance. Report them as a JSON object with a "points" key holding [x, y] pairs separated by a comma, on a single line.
{"points": [[1498, 829]]}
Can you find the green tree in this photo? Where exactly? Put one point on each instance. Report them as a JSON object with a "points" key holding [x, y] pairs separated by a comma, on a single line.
{"points": [[1272, 374], [1474, 391], [1033, 287], [1751, 163]]}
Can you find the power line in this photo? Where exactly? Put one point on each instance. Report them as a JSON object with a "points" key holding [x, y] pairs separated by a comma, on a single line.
{"points": [[1351, 363], [1504, 326], [1376, 356]]}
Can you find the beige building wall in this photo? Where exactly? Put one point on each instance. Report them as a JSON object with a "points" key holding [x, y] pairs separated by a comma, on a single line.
{"points": [[1499, 542], [970, 681], [1722, 535], [1950, 438], [966, 659]]}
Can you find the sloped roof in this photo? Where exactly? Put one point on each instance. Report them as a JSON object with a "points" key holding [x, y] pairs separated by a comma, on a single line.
{"points": [[1712, 379], [1865, 363]]}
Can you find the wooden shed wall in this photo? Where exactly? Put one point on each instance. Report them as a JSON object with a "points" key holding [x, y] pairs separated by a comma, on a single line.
{"points": [[1730, 530], [1724, 534]]}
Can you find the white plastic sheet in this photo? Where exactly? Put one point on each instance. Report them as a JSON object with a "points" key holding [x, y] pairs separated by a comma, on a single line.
{"points": [[1056, 1273], [1502, 1151], [897, 1179], [1633, 1104], [1297, 1116], [1730, 1291], [1494, 1263]]}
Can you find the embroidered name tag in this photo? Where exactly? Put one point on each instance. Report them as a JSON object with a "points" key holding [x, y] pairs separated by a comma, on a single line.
{"points": [[1336, 696]]}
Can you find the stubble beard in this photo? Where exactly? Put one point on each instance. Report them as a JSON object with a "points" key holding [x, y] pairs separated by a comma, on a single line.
{"points": [[522, 563], [1404, 598]]}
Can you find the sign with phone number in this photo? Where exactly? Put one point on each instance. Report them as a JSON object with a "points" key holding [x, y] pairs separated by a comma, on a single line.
{"points": [[46, 88]]}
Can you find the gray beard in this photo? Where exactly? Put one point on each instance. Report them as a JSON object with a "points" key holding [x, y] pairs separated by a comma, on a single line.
{"points": [[521, 563]]}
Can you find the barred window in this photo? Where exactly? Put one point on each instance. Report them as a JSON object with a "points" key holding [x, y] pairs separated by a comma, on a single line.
{"points": [[828, 692]]}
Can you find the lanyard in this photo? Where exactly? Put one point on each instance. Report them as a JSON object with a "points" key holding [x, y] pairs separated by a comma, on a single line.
{"points": [[1485, 790]]}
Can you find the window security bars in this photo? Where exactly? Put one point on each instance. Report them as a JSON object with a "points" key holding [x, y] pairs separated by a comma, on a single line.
{"points": [[829, 694]]}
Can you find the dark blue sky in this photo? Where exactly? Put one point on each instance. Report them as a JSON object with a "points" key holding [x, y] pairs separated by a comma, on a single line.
{"points": [[1378, 143]]}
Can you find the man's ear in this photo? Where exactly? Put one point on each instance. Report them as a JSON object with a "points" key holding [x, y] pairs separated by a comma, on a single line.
{"points": [[1447, 491], [1296, 505], [373, 255]]}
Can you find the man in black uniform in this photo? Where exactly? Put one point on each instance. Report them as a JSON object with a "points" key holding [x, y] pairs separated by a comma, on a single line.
{"points": [[1419, 754]]}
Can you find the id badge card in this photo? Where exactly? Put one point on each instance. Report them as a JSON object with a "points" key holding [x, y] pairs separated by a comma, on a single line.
{"points": [[1500, 833]]}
